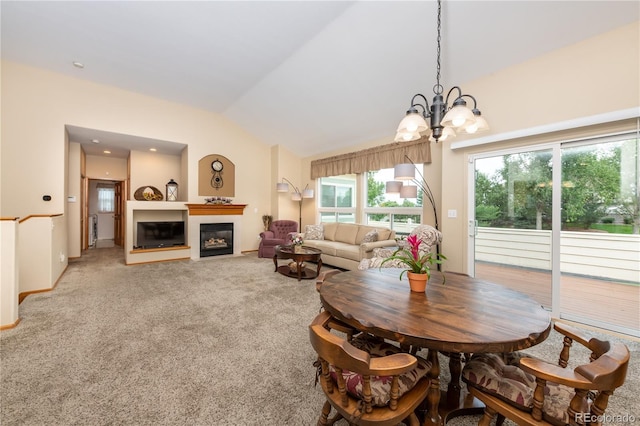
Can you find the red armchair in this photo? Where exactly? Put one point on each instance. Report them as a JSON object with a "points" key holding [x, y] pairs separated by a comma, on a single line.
{"points": [[278, 233]]}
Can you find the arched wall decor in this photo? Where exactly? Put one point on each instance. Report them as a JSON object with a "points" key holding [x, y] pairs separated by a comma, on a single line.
{"points": [[216, 176]]}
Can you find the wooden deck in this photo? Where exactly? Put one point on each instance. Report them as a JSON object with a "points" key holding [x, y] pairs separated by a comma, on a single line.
{"points": [[605, 304]]}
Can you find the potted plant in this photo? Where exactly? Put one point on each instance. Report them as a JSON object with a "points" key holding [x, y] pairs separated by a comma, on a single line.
{"points": [[266, 221], [418, 263]]}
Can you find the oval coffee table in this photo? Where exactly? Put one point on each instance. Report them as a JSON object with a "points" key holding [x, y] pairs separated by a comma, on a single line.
{"points": [[308, 254]]}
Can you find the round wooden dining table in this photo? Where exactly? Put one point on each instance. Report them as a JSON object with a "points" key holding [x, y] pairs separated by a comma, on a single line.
{"points": [[465, 315]]}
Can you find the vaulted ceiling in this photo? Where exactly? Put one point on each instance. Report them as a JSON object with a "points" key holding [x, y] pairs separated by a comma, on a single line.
{"points": [[311, 75]]}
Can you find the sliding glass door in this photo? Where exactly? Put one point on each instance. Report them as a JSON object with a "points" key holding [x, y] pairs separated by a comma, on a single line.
{"points": [[600, 241], [512, 227], [561, 223]]}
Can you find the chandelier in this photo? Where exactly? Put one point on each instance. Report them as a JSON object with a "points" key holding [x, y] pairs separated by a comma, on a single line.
{"points": [[439, 118]]}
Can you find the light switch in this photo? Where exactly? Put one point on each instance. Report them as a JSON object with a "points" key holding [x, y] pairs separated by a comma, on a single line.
{"points": [[452, 213]]}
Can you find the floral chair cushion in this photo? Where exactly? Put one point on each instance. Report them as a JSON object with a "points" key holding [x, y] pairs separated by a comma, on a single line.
{"points": [[380, 385], [501, 376], [314, 232]]}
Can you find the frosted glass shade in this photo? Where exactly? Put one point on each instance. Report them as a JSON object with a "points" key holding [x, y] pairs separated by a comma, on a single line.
{"points": [[405, 171], [459, 117], [296, 196], [479, 126], [282, 187], [412, 123], [447, 132], [307, 193], [407, 136]]}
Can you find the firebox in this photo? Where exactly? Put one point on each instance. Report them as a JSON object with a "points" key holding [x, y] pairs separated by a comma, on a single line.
{"points": [[216, 239]]}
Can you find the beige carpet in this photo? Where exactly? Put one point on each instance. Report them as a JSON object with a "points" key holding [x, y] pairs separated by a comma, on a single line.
{"points": [[214, 342]]}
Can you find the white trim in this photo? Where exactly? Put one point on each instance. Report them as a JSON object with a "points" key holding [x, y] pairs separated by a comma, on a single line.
{"points": [[548, 128]]}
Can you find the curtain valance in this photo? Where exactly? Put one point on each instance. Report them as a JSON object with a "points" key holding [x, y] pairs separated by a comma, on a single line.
{"points": [[380, 157]]}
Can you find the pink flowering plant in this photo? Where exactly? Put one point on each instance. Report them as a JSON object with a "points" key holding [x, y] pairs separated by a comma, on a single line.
{"points": [[297, 240], [416, 260]]}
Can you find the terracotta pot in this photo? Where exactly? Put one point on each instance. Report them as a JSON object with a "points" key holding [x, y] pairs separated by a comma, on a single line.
{"points": [[417, 282]]}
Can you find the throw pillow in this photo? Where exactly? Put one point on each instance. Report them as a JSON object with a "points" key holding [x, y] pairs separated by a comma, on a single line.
{"points": [[314, 232], [370, 237]]}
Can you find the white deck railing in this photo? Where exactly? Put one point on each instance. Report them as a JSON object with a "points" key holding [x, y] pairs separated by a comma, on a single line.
{"points": [[602, 255]]}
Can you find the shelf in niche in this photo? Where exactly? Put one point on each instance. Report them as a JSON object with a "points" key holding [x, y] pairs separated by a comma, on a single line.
{"points": [[151, 250]]}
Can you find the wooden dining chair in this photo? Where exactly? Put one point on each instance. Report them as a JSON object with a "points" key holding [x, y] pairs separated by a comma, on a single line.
{"points": [[530, 391], [334, 323], [367, 382]]}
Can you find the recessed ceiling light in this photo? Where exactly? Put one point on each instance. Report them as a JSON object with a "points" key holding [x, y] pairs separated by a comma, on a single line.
{"points": [[152, 149], [106, 152], [95, 141], [78, 64]]}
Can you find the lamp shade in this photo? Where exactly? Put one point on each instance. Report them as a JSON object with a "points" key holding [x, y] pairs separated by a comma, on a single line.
{"points": [[282, 187], [479, 126], [307, 193], [393, 187], [447, 132], [459, 116], [412, 123], [406, 171], [296, 196], [407, 136], [409, 191]]}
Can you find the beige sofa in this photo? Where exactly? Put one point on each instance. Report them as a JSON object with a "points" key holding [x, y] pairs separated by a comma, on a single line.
{"points": [[344, 245]]}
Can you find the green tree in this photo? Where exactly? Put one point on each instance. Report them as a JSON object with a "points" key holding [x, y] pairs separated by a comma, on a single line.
{"points": [[375, 190], [591, 183]]}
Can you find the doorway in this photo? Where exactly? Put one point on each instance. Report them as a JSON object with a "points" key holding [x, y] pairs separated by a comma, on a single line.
{"points": [[105, 207]]}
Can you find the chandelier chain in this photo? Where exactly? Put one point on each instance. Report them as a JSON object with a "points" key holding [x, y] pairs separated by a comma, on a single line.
{"points": [[437, 89]]}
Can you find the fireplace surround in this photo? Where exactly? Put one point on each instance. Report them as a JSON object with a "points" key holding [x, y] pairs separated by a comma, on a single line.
{"points": [[200, 214]]}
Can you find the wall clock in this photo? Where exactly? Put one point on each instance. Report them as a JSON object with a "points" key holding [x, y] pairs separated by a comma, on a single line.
{"points": [[216, 170]]}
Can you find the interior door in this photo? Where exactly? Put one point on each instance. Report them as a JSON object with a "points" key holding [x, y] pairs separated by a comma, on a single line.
{"points": [[118, 216]]}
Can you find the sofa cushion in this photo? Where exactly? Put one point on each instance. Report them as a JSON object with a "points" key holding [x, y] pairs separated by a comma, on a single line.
{"points": [[383, 234], [327, 247], [347, 233], [330, 231], [314, 232], [348, 251]]}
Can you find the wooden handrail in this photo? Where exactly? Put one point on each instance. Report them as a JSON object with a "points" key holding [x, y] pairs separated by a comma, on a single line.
{"points": [[39, 215], [9, 218]]}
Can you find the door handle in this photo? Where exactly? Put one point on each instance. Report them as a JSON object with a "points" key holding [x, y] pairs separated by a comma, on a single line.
{"points": [[473, 228]]}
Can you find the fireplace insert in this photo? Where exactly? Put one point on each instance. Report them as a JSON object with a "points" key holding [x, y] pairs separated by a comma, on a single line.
{"points": [[216, 239]]}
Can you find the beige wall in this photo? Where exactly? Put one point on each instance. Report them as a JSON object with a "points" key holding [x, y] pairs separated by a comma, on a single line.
{"points": [[592, 77], [38, 104], [596, 76], [100, 167]]}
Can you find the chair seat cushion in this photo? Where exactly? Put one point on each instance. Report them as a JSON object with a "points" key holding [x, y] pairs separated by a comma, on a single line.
{"points": [[380, 385], [501, 376]]}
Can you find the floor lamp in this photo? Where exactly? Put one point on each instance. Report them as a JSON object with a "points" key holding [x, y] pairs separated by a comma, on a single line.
{"points": [[296, 195], [407, 171]]}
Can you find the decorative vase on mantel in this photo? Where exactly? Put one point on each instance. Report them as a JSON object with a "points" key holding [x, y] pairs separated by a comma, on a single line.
{"points": [[417, 282]]}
